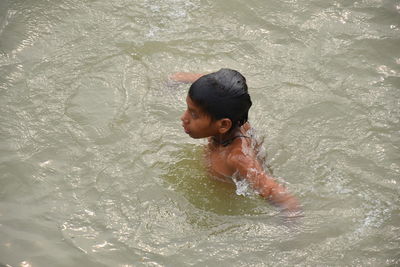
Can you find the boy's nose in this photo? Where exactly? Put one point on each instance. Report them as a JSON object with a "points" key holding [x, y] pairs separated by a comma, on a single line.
{"points": [[183, 117]]}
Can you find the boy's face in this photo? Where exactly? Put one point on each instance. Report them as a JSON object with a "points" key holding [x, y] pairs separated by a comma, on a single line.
{"points": [[196, 123]]}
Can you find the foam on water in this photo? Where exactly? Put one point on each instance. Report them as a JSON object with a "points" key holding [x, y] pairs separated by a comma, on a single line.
{"points": [[243, 187]]}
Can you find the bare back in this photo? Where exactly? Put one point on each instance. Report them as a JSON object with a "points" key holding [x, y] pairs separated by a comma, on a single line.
{"points": [[216, 155]]}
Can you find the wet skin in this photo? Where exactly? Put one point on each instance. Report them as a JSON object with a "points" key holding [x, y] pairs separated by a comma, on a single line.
{"points": [[238, 158]]}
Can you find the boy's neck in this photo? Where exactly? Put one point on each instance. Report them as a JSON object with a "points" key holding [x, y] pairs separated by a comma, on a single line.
{"points": [[226, 138]]}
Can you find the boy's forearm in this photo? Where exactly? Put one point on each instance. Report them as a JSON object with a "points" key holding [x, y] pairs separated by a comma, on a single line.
{"points": [[276, 193]]}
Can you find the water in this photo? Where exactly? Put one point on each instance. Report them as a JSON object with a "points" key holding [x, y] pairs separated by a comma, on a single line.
{"points": [[95, 169]]}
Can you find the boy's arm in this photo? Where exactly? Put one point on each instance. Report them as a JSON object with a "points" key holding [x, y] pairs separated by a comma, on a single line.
{"points": [[185, 77], [265, 185]]}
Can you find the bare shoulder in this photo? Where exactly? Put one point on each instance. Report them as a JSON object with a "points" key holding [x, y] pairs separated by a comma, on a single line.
{"points": [[241, 160], [246, 127]]}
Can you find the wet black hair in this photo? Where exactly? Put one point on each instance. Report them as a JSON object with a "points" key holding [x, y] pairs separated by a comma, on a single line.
{"points": [[222, 94]]}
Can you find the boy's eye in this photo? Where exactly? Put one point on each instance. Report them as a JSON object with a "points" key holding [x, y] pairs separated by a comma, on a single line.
{"points": [[194, 115]]}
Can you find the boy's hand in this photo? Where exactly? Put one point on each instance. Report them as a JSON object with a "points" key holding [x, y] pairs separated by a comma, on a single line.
{"points": [[290, 207], [292, 215], [185, 77]]}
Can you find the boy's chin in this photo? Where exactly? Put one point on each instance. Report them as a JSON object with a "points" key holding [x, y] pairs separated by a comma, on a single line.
{"points": [[195, 136]]}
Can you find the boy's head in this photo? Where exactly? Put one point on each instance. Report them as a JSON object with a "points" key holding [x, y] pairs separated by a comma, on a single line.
{"points": [[222, 94]]}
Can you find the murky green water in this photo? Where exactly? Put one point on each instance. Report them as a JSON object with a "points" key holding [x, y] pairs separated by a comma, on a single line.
{"points": [[95, 169]]}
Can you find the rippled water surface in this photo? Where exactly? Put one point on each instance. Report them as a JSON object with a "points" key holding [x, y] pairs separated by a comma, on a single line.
{"points": [[95, 169]]}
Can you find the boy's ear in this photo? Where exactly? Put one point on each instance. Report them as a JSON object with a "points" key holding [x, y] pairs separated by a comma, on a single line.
{"points": [[224, 125]]}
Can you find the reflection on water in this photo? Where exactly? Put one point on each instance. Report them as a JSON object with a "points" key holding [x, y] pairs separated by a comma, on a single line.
{"points": [[95, 169]]}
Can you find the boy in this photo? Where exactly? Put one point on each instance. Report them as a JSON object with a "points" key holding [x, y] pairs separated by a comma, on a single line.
{"points": [[217, 109]]}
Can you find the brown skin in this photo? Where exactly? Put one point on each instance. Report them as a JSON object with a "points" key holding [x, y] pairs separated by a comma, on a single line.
{"points": [[238, 157], [185, 77]]}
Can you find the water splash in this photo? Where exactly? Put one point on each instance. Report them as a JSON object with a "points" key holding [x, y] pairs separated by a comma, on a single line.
{"points": [[243, 187]]}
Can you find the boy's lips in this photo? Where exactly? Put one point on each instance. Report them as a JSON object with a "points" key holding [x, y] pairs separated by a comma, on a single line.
{"points": [[186, 130]]}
